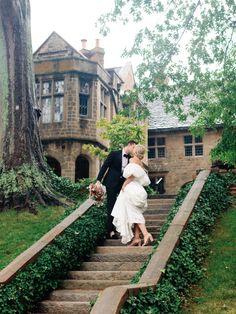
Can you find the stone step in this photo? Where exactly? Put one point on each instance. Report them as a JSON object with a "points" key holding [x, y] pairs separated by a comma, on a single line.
{"points": [[102, 275], [117, 242], [152, 229], [136, 257], [123, 250], [159, 210], [152, 212], [160, 206], [165, 196], [74, 295], [163, 201], [155, 235], [133, 266], [152, 216], [113, 242], [155, 222], [65, 307], [91, 284]]}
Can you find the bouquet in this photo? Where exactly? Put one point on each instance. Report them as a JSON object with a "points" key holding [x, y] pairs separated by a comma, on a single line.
{"points": [[97, 192]]}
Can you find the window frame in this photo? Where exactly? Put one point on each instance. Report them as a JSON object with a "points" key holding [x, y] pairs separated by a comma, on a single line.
{"points": [[84, 97], [196, 142], [158, 147], [103, 104], [52, 95]]}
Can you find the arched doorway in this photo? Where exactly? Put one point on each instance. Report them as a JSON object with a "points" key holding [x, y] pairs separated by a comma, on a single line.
{"points": [[81, 168], [54, 164]]}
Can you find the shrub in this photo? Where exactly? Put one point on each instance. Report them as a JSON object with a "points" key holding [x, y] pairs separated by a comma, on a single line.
{"points": [[66, 252], [185, 265], [74, 191]]}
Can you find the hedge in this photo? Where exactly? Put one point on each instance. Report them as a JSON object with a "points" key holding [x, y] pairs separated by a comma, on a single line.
{"points": [[185, 267], [67, 252]]}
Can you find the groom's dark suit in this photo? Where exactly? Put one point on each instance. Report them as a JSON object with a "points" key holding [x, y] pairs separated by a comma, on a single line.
{"points": [[110, 175]]}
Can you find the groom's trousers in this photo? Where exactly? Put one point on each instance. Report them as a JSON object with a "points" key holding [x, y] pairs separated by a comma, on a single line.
{"points": [[111, 199]]}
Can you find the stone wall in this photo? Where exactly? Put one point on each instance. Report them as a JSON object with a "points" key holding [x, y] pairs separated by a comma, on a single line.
{"points": [[66, 154], [176, 168]]}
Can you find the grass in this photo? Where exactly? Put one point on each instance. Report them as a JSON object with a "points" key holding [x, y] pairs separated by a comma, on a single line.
{"points": [[20, 230], [216, 293]]}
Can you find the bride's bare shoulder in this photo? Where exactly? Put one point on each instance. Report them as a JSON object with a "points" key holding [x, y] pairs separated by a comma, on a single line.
{"points": [[132, 160]]}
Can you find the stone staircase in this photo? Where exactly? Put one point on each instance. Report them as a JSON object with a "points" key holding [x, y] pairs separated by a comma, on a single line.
{"points": [[112, 264]]}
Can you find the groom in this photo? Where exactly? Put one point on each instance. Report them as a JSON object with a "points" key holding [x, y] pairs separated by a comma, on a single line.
{"points": [[110, 175]]}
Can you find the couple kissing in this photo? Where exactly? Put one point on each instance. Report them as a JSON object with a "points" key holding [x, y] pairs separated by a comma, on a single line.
{"points": [[124, 176]]}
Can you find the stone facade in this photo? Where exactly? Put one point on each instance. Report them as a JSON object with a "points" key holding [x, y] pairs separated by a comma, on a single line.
{"points": [[174, 154], [73, 91]]}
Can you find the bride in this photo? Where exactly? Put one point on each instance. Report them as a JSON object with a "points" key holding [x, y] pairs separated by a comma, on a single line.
{"points": [[132, 202]]}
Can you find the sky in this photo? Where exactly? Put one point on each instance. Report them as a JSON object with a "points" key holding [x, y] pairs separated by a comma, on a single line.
{"points": [[74, 20]]}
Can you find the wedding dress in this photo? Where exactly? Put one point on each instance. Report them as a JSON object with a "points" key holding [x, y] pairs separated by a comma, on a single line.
{"points": [[131, 203]]}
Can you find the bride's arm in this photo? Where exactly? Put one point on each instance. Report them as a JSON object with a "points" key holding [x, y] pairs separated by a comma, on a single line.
{"points": [[127, 181]]}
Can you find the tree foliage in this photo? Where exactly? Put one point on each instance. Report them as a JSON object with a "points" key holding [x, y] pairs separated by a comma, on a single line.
{"points": [[118, 132], [187, 48]]}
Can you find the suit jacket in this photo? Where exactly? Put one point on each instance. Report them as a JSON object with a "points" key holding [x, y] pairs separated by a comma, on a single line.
{"points": [[112, 169]]}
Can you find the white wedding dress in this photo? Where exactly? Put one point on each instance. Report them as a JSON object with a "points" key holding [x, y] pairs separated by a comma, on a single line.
{"points": [[131, 203]]}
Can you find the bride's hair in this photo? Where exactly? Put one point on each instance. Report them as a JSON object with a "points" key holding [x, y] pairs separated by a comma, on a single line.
{"points": [[139, 151]]}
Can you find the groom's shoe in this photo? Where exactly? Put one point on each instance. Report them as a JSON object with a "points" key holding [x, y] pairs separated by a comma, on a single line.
{"points": [[113, 235]]}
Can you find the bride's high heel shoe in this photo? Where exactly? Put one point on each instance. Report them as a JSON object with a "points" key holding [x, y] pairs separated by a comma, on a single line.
{"points": [[135, 242], [147, 239]]}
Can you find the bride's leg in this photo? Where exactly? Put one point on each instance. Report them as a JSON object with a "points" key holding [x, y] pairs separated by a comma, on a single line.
{"points": [[136, 231], [146, 235], [136, 241]]}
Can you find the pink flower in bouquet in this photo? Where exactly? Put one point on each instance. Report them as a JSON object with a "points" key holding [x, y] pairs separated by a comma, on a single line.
{"points": [[97, 192]]}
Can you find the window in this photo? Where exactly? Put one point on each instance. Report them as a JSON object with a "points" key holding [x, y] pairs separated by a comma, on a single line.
{"points": [[37, 89], [188, 139], [192, 145], [151, 153], [58, 109], [161, 152], [161, 141], [47, 88], [46, 110], [188, 150], [84, 98], [151, 141], [59, 87], [83, 105], [156, 147], [51, 98], [103, 106], [199, 150]]}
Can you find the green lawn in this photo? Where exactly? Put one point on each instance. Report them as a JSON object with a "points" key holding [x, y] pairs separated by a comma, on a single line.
{"points": [[20, 230], [217, 291]]}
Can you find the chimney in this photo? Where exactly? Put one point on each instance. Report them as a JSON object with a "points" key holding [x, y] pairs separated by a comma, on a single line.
{"points": [[98, 53], [83, 42], [97, 43]]}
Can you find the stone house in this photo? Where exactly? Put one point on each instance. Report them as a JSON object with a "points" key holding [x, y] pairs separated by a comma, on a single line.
{"points": [[174, 155], [74, 91]]}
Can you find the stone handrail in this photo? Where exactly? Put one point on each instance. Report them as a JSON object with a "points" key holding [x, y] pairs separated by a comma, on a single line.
{"points": [[10, 271], [111, 300]]}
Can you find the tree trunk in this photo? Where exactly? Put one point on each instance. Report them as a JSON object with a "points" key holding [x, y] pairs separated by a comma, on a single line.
{"points": [[22, 165]]}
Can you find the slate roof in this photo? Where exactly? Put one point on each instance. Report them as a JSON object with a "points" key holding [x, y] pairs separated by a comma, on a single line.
{"points": [[160, 120]]}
